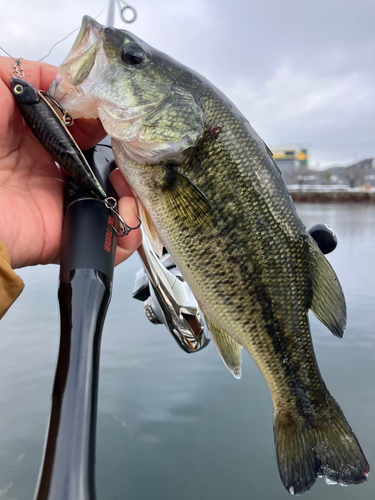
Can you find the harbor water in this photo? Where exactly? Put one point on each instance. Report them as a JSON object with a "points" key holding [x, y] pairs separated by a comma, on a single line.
{"points": [[173, 426]]}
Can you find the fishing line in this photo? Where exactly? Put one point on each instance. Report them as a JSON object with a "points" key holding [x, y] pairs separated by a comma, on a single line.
{"points": [[17, 68], [17, 61], [67, 36], [125, 7], [53, 46], [7, 53]]}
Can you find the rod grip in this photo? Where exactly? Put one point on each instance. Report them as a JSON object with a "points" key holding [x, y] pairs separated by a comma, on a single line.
{"points": [[86, 272]]}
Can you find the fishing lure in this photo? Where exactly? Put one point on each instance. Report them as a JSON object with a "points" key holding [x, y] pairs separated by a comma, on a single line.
{"points": [[40, 114]]}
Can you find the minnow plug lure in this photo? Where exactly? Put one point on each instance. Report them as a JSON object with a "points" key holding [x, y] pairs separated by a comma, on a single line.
{"points": [[39, 111], [40, 114]]}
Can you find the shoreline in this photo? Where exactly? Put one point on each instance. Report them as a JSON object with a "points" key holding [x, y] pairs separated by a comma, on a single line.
{"points": [[327, 194]]}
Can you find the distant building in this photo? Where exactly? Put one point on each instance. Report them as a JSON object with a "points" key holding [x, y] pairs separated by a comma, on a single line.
{"points": [[292, 162]]}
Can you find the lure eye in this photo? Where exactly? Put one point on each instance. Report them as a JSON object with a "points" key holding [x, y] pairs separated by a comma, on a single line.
{"points": [[133, 55], [18, 89]]}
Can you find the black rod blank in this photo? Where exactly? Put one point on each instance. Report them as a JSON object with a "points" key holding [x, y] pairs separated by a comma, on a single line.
{"points": [[86, 272]]}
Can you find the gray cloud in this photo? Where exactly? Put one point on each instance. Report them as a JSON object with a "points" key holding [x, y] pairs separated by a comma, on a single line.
{"points": [[301, 72]]}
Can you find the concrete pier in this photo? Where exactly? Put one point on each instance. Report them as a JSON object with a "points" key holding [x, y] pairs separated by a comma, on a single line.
{"points": [[330, 194]]}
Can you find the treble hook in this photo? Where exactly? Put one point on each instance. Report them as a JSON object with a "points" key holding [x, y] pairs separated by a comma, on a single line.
{"points": [[111, 204], [130, 10]]}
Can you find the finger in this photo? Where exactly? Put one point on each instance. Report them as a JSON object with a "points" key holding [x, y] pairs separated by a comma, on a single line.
{"points": [[118, 181], [127, 245], [87, 133]]}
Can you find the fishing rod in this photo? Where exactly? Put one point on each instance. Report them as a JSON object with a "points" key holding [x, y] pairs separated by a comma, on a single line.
{"points": [[86, 271], [85, 284], [88, 248], [128, 13], [89, 239]]}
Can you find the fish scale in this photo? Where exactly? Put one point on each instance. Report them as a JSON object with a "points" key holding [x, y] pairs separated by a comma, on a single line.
{"points": [[237, 243], [259, 298], [232, 229], [210, 192]]}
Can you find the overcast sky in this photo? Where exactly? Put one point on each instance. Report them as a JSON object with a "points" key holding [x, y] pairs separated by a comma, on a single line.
{"points": [[302, 72]]}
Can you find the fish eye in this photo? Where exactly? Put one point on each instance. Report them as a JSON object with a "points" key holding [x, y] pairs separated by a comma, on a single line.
{"points": [[18, 89], [132, 54]]}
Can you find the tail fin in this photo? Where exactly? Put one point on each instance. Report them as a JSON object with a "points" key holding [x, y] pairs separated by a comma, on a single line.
{"points": [[328, 448]]}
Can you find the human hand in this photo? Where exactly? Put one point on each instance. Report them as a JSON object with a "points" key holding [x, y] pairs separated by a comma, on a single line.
{"points": [[31, 186]]}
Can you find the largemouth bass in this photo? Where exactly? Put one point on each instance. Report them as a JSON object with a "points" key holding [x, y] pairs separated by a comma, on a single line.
{"points": [[210, 192]]}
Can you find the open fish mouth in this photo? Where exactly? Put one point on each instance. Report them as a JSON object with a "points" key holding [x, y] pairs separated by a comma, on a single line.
{"points": [[108, 75], [88, 35], [74, 74]]}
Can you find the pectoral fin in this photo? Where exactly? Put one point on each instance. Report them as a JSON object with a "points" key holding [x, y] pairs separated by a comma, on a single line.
{"points": [[185, 201], [229, 350], [328, 301]]}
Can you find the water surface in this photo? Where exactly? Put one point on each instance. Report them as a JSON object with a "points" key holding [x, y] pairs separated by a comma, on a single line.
{"points": [[174, 426]]}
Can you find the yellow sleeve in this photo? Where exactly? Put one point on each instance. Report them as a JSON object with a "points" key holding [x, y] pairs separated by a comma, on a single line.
{"points": [[11, 285]]}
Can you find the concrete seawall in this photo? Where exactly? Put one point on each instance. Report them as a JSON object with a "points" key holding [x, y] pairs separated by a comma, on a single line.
{"points": [[316, 195]]}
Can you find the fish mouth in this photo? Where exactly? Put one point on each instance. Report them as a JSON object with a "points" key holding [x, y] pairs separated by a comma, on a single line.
{"points": [[88, 35], [78, 64]]}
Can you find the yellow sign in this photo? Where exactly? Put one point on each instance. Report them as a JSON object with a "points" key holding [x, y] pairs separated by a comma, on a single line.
{"points": [[284, 154], [291, 154]]}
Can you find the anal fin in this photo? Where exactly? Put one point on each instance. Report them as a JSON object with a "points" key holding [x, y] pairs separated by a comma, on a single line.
{"points": [[228, 349]]}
